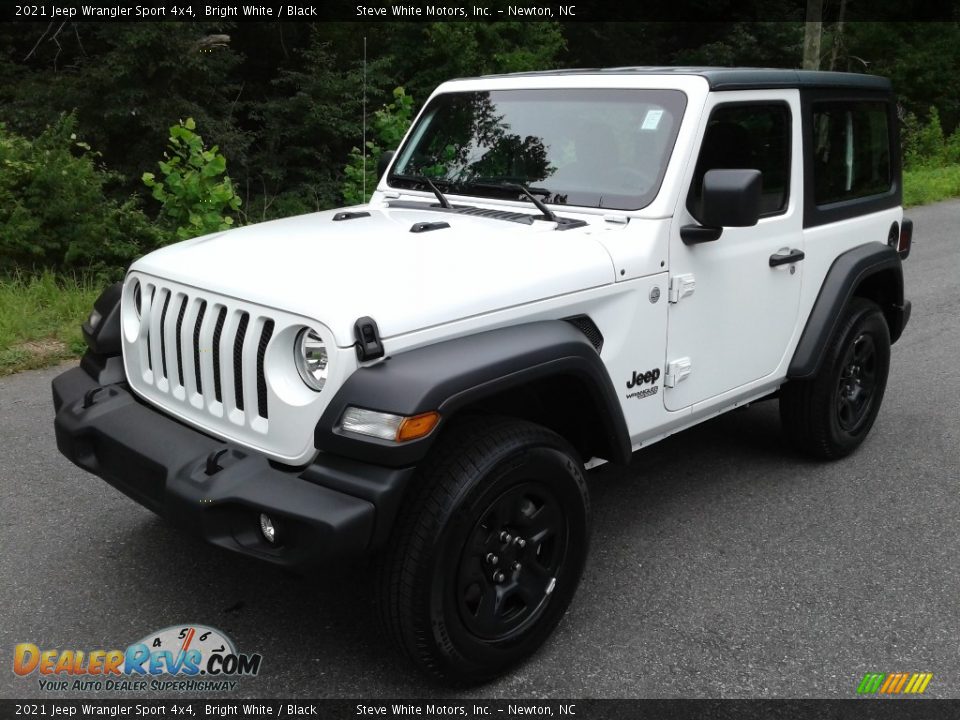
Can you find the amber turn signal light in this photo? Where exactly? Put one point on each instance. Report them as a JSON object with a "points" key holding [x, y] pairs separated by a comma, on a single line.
{"points": [[417, 426]]}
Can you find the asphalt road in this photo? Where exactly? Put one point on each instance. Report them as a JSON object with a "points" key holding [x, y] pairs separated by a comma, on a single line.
{"points": [[722, 564]]}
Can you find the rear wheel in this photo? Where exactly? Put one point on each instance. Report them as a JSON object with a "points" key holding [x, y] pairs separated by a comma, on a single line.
{"points": [[489, 549], [829, 415]]}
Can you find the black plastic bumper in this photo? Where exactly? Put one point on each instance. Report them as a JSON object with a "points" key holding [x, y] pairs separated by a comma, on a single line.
{"points": [[336, 509]]}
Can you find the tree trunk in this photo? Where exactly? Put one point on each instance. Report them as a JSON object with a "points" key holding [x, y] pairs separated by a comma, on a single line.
{"points": [[812, 31], [838, 36]]}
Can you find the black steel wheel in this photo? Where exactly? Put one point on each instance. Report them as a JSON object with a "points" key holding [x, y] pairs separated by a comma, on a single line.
{"points": [[858, 383], [488, 550], [509, 563], [829, 415]]}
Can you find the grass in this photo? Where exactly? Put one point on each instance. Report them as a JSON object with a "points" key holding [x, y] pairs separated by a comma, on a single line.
{"points": [[40, 320], [922, 186]]}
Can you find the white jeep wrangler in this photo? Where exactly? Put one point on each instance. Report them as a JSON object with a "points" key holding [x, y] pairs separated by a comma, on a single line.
{"points": [[555, 270]]}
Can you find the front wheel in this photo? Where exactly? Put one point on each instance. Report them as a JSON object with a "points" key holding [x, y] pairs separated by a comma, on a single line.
{"points": [[488, 550], [829, 415]]}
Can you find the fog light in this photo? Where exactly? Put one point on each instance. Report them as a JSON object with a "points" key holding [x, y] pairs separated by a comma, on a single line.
{"points": [[94, 319], [267, 528]]}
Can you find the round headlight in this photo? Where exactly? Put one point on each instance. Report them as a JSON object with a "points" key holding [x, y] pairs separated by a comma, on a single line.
{"points": [[311, 356]]}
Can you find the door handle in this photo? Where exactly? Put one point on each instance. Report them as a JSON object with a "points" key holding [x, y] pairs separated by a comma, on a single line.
{"points": [[785, 258]]}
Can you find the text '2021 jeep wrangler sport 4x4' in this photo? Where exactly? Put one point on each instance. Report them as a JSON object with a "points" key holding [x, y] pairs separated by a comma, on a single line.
{"points": [[555, 270]]}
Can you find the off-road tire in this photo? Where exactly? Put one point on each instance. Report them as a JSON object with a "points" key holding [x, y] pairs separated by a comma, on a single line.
{"points": [[829, 415], [488, 482]]}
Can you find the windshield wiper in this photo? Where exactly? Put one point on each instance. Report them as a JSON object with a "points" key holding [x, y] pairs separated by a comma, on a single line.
{"points": [[528, 192], [547, 212], [444, 203]]}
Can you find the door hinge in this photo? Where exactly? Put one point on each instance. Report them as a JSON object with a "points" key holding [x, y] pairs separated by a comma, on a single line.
{"points": [[681, 286], [676, 371]]}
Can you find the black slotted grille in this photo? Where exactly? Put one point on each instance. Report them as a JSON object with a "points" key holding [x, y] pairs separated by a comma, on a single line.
{"points": [[153, 295], [261, 377], [217, 331], [199, 338], [196, 345], [163, 335], [183, 311], [238, 360]]}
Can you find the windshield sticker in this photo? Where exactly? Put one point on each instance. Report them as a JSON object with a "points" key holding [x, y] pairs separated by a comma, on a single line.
{"points": [[652, 120]]}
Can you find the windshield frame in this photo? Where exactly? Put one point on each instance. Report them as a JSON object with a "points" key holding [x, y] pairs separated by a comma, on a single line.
{"points": [[674, 100]]}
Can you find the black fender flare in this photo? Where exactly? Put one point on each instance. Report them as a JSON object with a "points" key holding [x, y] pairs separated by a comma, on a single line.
{"points": [[452, 374], [843, 278]]}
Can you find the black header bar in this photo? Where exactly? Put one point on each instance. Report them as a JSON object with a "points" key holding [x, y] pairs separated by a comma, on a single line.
{"points": [[463, 11]]}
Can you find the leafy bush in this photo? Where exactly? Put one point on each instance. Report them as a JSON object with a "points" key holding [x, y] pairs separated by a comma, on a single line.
{"points": [[389, 125], [195, 192], [53, 209], [930, 184], [924, 144]]}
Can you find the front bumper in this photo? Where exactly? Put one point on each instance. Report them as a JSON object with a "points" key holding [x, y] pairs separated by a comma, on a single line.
{"points": [[333, 510]]}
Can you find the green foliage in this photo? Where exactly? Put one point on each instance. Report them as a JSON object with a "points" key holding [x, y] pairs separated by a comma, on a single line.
{"points": [[924, 144], [925, 185], [431, 53], [40, 318], [53, 208], [920, 58], [388, 126], [195, 192], [310, 118], [126, 83], [746, 44]]}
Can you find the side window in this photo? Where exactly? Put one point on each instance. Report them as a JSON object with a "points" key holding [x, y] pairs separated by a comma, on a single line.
{"points": [[851, 151], [748, 137]]}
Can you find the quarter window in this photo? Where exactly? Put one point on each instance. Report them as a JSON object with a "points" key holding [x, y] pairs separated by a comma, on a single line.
{"points": [[851, 151]]}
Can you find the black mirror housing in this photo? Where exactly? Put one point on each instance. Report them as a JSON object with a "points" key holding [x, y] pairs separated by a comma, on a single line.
{"points": [[383, 162], [731, 198]]}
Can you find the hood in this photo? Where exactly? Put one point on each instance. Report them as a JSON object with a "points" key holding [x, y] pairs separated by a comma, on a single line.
{"points": [[337, 271]]}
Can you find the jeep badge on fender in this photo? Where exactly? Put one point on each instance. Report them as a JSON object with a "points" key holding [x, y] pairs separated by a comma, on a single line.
{"points": [[650, 376], [423, 379]]}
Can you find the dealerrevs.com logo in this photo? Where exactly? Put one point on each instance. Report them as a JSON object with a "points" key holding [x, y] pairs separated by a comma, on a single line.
{"points": [[178, 658]]}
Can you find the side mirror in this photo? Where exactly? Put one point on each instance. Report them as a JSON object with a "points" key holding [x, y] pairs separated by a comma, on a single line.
{"points": [[384, 162], [731, 198]]}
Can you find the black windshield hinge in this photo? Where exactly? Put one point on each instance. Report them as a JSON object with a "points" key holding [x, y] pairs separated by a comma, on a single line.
{"points": [[421, 227], [369, 346], [341, 216]]}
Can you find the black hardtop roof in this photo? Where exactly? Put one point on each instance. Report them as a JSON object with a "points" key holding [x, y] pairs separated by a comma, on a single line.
{"points": [[723, 78]]}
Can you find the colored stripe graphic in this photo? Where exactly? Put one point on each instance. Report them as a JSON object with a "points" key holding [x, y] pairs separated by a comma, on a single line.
{"points": [[894, 683], [870, 683]]}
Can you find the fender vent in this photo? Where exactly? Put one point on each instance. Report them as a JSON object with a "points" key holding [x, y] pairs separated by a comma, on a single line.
{"points": [[589, 328]]}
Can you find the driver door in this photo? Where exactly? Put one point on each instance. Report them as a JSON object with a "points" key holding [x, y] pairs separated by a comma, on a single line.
{"points": [[734, 328]]}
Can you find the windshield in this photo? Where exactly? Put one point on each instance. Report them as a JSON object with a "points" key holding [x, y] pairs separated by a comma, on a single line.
{"points": [[604, 148]]}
